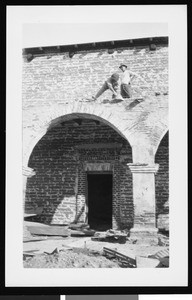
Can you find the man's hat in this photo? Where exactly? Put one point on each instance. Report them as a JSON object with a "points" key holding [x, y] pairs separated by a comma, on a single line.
{"points": [[122, 65], [115, 76]]}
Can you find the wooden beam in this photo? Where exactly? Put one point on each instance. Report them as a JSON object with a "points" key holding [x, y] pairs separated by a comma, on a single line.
{"points": [[124, 260], [49, 230]]}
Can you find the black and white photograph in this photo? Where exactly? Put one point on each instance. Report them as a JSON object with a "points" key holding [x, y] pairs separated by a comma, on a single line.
{"points": [[98, 148], [96, 152]]}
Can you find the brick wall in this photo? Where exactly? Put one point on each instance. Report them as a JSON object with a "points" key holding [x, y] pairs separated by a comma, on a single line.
{"points": [[56, 81], [60, 181], [59, 79]]}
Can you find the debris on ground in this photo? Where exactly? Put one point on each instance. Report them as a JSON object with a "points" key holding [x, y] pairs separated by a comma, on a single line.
{"points": [[158, 260], [49, 230], [146, 262], [164, 262], [76, 230], [34, 238], [163, 240], [70, 259], [160, 254], [163, 257], [78, 246], [124, 260], [82, 232], [77, 226], [33, 212], [113, 236]]}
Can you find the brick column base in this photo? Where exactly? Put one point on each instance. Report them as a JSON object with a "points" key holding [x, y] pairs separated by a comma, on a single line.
{"points": [[144, 236], [144, 230]]}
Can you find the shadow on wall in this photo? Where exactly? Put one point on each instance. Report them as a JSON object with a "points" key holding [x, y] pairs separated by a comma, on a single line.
{"points": [[162, 183]]}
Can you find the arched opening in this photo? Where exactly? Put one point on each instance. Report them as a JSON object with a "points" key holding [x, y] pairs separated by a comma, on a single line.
{"points": [[162, 184], [81, 175]]}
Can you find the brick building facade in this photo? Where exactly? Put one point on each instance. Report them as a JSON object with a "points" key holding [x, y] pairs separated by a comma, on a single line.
{"points": [[105, 163]]}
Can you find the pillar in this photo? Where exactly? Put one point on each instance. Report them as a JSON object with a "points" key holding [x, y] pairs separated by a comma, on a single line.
{"points": [[144, 230], [27, 173]]}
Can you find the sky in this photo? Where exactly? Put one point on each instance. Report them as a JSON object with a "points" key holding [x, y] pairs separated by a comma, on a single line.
{"points": [[53, 34]]}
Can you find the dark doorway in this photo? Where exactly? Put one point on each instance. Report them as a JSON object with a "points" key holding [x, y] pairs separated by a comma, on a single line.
{"points": [[100, 201]]}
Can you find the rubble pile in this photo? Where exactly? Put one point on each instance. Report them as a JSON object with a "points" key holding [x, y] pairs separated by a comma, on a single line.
{"points": [[78, 246], [74, 258]]}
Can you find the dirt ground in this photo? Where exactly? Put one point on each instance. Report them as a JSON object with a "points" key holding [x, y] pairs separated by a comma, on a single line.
{"points": [[80, 252]]}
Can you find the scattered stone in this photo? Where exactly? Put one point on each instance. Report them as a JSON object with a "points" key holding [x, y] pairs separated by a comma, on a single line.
{"points": [[163, 240], [163, 257], [164, 262], [69, 259], [113, 236]]}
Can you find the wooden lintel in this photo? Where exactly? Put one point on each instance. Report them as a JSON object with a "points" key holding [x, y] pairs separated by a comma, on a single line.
{"points": [[99, 146]]}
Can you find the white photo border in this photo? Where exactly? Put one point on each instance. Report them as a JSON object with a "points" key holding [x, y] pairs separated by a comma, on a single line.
{"points": [[177, 273]]}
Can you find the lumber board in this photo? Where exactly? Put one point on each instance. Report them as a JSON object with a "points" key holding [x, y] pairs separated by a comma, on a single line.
{"points": [[125, 260], [49, 230], [82, 232]]}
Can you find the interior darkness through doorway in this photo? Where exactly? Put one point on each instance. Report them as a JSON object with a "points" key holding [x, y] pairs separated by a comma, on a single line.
{"points": [[100, 200]]}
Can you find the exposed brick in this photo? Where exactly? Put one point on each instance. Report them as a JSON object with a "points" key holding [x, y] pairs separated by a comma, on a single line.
{"points": [[59, 86]]}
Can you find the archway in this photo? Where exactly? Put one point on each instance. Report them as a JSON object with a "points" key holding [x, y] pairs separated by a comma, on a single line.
{"points": [[72, 147], [162, 184]]}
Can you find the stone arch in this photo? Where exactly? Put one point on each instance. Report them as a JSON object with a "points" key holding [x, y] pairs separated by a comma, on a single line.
{"points": [[52, 166], [164, 130], [88, 111], [162, 183]]}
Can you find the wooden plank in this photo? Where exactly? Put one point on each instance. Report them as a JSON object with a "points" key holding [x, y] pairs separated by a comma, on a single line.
{"points": [[124, 260], [82, 232], [79, 226], [33, 212], [49, 230], [160, 254]]}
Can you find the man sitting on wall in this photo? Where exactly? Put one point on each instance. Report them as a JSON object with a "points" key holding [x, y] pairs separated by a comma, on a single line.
{"points": [[126, 79], [112, 83]]}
